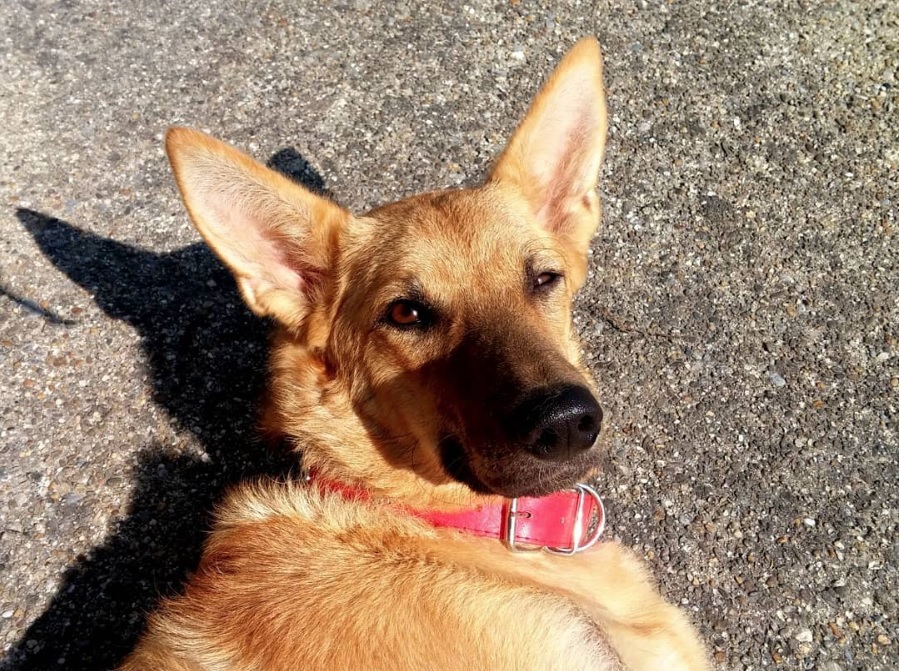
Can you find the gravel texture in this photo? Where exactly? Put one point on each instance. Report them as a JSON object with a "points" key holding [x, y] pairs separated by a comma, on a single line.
{"points": [[741, 317]]}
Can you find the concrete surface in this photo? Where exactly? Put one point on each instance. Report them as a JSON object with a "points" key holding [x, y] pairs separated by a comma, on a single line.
{"points": [[741, 317]]}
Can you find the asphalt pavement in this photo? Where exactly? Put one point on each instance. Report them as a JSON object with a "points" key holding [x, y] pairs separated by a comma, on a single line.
{"points": [[741, 316]]}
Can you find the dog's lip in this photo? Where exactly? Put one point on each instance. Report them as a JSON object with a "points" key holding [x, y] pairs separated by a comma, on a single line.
{"points": [[458, 465], [455, 461]]}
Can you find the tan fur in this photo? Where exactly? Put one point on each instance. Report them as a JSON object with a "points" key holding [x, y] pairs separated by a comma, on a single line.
{"points": [[294, 579]]}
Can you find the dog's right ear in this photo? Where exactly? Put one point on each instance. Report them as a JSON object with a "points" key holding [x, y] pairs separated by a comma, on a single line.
{"points": [[277, 238]]}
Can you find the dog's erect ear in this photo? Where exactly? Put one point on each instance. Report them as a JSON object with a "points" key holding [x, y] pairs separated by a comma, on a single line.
{"points": [[555, 154], [276, 237]]}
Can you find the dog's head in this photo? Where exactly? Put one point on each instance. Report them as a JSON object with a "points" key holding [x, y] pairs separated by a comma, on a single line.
{"points": [[428, 341]]}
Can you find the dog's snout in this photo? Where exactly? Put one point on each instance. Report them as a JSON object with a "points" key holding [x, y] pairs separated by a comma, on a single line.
{"points": [[558, 424]]}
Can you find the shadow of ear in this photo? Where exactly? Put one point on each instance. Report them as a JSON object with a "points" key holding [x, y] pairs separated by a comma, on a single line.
{"points": [[206, 353], [295, 167]]}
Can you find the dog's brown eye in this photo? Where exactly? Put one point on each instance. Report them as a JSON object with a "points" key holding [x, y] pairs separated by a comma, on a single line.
{"points": [[546, 280], [407, 313]]}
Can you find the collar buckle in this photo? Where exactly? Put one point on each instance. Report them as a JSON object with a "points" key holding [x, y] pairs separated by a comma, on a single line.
{"points": [[579, 544]]}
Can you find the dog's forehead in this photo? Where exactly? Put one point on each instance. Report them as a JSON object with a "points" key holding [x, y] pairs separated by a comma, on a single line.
{"points": [[467, 230]]}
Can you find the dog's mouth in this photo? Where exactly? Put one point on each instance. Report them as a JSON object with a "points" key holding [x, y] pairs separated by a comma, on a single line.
{"points": [[512, 473]]}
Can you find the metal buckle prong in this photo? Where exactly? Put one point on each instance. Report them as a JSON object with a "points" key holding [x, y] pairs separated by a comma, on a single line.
{"points": [[513, 514]]}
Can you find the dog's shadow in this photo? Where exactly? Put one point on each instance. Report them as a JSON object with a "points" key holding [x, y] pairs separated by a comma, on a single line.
{"points": [[206, 355]]}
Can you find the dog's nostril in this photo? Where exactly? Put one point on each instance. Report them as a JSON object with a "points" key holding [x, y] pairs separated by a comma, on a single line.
{"points": [[587, 424], [547, 439]]}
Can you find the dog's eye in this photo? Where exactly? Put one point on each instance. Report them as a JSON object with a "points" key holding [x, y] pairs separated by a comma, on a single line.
{"points": [[545, 280], [405, 313]]}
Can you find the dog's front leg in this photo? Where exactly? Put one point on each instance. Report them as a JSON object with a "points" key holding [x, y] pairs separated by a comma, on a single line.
{"points": [[647, 633]]}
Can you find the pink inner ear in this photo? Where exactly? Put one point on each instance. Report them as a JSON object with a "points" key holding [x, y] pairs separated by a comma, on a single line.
{"points": [[565, 169], [562, 149], [251, 245]]}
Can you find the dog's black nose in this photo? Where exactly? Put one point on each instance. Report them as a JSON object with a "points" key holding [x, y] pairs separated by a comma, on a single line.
{"points": [[558, 424]]}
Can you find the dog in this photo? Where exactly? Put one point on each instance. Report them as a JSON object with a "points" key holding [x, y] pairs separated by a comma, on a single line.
{"points": [[425, 365]]}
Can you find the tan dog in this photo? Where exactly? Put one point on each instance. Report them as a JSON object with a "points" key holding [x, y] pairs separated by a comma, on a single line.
{"points": [[424, 360]]}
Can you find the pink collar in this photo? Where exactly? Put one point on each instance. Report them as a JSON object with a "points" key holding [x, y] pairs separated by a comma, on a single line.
{"points": [[559, 523]]}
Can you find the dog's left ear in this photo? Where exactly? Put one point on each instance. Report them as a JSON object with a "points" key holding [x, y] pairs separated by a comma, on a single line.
{"points": [[555, 154], [278, 239]]}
